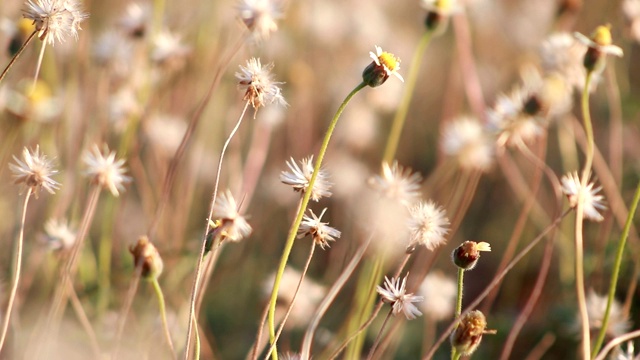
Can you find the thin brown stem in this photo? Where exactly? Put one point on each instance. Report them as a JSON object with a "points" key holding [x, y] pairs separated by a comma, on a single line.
{"points": [[379, 336], [17, 55], [84, 321]]}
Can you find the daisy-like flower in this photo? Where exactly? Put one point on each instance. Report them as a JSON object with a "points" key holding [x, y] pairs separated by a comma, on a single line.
{"points": [[105, 170], [428, 225], [394, 292], [467, 254], [596, 306], [300, 175], [599, 45], [466, 140], [34, 171], [168, 47], [320, 231], [439, 296], [55, 20], [571, 186], [260, 16], [561, 53], [59, 235], [397, 183], [384, 65], [232, 225], [516, 117], [257, 82], [439, 12]]}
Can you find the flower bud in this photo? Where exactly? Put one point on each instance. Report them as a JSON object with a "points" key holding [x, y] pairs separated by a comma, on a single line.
{"points": [[467, 254], [147, 256], [467, 336]]}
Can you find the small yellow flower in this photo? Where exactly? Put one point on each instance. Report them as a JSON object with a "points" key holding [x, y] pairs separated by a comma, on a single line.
{"points": [[384, 65], [599, 45]]}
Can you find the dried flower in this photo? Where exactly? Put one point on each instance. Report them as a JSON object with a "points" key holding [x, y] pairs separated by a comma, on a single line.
{"points": [[232, 226], [467, 336], [572, 187], [257, 82], [105, 170], [147, 256], [168, 48], [428, 225], [59, 235], [467, 141], [136, 19], [597, 305], [300, 176], [561, 53], [320, 232], [394, 293], [397, 183], [439, 296], [599, 45], [55, 20], [384, 64], [34, 171], [260, 16], [467, 254], [516, 117]]}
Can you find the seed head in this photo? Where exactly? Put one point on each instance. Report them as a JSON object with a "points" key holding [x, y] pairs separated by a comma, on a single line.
{"points": [[55, 20], [572, 187], [105, 170], [320, 231], [467, 336], [300, 176], [34, 171], [427, 225], [258, 85], [147, 256], [394, 293]]}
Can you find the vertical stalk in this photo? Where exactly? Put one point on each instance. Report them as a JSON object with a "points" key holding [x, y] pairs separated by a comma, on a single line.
{"points": [[163, 314], [458, 309]]}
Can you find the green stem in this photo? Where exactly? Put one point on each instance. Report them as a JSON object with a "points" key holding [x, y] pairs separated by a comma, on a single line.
{"points": [[163, 314], [454, 353], [616, 272], [588, 129], [401, 115], [296, 224]]}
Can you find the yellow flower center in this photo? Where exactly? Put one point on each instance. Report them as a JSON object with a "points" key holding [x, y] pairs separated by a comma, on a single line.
{"points": [[444, 5], [602, 35], [389, 61]]}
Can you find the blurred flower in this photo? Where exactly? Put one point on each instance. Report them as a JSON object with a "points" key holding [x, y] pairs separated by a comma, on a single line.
{"points": [[467, 336], [467, 254], [394, 293], [257, 82], [165, 132], [55, 20], [599, 45], [123, 107], [147, 256], [562, 54], [439, 12], [290, 356], [105, 170], [300, 176], [384, 64], [428, 225], [34, 171], [115, 52], [629, 354], [168, 49], [31, 101], [260, 16], [397, 183], [319, 231], [59, 235], [136, 19], [631, 11], [596, 307], [571, 186], [466, 140], [233, 226], [439, 296], [516, 117]]}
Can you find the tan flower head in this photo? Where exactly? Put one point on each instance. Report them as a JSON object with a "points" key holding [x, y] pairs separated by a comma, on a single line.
{"points": [[55, 20], [147, 256], [299, 177], [394, 292], [34, 171], [105, 170], [321, 232], [593, 203], [257, 82]]}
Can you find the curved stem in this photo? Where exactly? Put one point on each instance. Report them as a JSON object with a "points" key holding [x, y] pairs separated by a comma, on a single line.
{"points": [[163, 314], [16, 271], [15, 57], [401, 114], [615, 342], [616, 272], [296, 224]]}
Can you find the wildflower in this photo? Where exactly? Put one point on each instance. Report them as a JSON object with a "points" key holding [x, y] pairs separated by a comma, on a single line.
{"points": [[260, 16], [34, 171], [232, 226], [168, 48], [300, 176], [428, 225], [572, 187], [105, 170], [596, 307], [466, 140], [394, 293], [439, 12], [467, 254], [439, 296], [32, 101], [147, 256], [631, 11], [397, 183], [257, 82], [384, 64], [55, 20], [561, 53], [59, 234], [467, 336], [599, 45], [320, 232], [136, 19]]}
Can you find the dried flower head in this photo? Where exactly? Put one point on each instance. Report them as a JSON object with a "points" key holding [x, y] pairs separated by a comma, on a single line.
{"points": [[467, 336], [55, 20], [59, 235], [466, 140], [104, 170], [231, 225], [34, 171], [136, 19], [439, 296], [596, 307], [598, 46], [384, 65], [147, 256], [397, 183], [260, 16], [168, 48], [257, 82], [561, 53], [394, 293], [319, 231], [300, 176], [572, 187], [427, 225], [467, 254]]}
